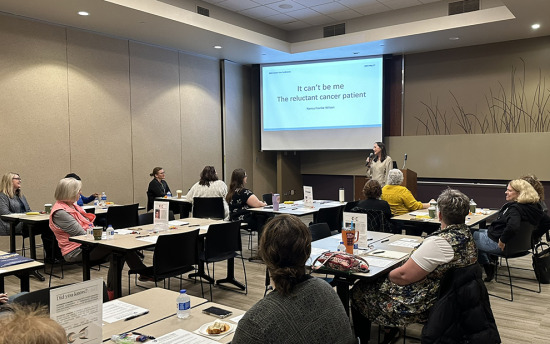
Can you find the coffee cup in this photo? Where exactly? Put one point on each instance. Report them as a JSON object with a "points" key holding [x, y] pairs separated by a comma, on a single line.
{"points": [[178, 193], [98, 232], [431, 212], [48, 208]]}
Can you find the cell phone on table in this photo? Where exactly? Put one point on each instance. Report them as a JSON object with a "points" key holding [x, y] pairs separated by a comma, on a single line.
{"points": [[217, 312]]}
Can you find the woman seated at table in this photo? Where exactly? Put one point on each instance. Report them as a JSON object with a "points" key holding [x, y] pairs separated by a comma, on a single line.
{"points": [[399, 198], [240, 199], [157, 187], [301, 309], [409, 291], [372, 191], [82, 199], [68, 219], [522, 206], [209, 186], [12, 201]]}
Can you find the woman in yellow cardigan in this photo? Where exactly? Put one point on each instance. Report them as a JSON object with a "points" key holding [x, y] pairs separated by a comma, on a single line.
{"points": [[399, 198]]}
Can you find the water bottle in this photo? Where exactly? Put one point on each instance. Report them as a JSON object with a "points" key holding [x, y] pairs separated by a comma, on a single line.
{"points": [[168, 194], [184, 304], [96, 203], [110, 232], [90, 231], [103, 199], [341, 247], [355, 248]]}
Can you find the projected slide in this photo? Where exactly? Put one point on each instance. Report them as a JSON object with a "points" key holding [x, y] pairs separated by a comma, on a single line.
{"points": [[326, 95]]}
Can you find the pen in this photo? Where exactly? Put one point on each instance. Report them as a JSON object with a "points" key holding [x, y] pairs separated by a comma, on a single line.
{"points": [[378, 252], [194, 225], [142, 236], [385, 240], [369, 239], [135, 316]]}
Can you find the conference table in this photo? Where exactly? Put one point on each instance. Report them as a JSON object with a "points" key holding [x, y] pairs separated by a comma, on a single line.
{"points": [[297, 208], [421, 219], [182, 204], [22, 271], [122, 244], [385, 251]]}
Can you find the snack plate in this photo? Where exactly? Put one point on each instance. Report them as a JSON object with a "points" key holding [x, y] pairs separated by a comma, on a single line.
{"points": [[204, 327]]}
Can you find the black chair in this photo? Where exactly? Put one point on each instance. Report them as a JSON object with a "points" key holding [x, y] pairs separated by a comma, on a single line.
{"points": [[268, 198], [349, 206], [330, 216], [174, 255], [147, 218], [42, 296], [223, 242], [319, 231], [123, 216], [90, 210], [376, 220], [519, 246], [208, 207]]}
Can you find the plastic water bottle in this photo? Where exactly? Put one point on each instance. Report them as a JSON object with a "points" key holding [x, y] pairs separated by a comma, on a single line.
{"points": [[184, 304], [110, 232], [103, 199], [96, 203], [168, 194], [90, 231], [341, 247]]}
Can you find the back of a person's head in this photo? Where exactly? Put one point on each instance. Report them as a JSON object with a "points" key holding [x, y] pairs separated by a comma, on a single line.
{"points": [[372, 189], [536, 184], [29, 325], [285, 246], [453, 206], [68, 190], [395, 177]]}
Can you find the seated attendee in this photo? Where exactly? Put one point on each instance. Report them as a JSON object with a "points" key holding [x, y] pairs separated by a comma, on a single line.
{"points": [[240, 199], [82, 199], [29, 324], [209, 186], [522, 206], [399, 198], [301, 309], [157, 186], [409, 291], [68, 219], [12, 201], [379, 212]]}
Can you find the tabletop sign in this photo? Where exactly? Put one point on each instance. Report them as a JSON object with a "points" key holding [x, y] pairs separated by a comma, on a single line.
{"points": [[360, 224], [308, 196], [78, 308], [161, 210]]}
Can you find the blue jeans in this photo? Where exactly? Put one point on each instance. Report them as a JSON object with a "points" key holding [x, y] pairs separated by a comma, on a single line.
{"points": [[485, 246]]}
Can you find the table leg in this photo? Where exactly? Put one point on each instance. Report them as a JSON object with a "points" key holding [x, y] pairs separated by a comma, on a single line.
{"points": [[12, 237], [342, 289], [2, 290], [231, 275], [32, 248], [118, 263], [86, 262], [200, 273], [25, 283]]}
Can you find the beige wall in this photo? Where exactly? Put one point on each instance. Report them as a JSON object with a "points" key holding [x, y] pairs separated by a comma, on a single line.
{"points": [[109, 110]]}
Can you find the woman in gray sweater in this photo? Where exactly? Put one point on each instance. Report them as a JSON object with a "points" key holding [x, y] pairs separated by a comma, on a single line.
{"points": [[12, 201], [301, 309]]}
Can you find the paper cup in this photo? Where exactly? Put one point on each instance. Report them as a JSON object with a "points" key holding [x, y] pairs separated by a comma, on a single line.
{"points": [[48, 208], [98, 232], [179, 192]]}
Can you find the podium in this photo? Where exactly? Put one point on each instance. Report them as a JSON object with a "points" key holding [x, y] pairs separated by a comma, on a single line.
{"points": [[409, 180]]}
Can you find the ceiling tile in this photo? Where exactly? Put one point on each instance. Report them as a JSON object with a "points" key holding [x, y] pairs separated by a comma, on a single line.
{"points": [[311, 3], [237, 5], [397, 4], [278, 19], [345, 15], [330, 8], [303, 13], [277, 6], [357, 3], [259, 12], [372, 9]]}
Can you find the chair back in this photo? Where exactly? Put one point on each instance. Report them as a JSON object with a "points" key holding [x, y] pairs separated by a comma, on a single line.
{"points": [[330, 216], [319, 231], [222, 239], [90, 210], [522, 242], [268, 198], [123, 216], [376, 219], [208, 207], [50, 246], [350, 205], [175, 251], [147, 218]]}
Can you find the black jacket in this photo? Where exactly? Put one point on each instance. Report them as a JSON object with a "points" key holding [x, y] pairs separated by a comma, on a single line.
{"points": [[155, 190], [509, 218], [462, 312]]}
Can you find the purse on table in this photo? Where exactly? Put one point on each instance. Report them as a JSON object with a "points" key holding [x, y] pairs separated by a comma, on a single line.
{"points": [[541, 262], [341, 261]]}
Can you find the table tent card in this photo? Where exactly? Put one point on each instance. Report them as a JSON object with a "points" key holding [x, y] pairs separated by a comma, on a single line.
{"points": [[308, 196], [161, 210], [360, 224]]}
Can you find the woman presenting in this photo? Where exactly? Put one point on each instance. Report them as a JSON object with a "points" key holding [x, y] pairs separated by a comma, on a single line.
{"points": [[379, 164], [157, 187]]}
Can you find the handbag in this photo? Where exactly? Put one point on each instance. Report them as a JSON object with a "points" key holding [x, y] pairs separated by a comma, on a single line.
{"points": [[541, 262], [341, 261]]}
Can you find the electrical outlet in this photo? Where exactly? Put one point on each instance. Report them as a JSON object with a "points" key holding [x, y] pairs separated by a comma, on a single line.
{"points": [[291, 192]]}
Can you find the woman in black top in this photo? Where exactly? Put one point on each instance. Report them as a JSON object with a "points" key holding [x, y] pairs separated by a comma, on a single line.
{"points": [[240, 199], [372, 191], [157, 187]]}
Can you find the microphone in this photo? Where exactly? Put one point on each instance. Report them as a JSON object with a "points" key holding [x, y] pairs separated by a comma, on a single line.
{"points": [[405, 161], [370, 159]]}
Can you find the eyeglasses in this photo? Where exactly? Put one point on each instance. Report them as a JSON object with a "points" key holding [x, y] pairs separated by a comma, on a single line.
{"points": [[17, 179]]}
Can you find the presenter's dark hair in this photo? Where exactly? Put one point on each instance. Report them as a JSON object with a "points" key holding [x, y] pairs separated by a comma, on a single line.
{"points": [[285, 246], [237, 183], [155, 171], [383, 154], [208, 175]]}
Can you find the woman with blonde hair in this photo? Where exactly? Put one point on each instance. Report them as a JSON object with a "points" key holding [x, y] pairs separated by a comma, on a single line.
{"points": [[12, 201], [522, 205]]}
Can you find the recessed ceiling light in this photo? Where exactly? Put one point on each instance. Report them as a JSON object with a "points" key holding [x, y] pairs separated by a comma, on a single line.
{"points": [[217, 47], [454, 38], [83, 13], [285, 6], [535, 26]]}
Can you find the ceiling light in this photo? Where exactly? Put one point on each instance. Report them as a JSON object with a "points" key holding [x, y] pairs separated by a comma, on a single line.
{"points": [[285, 6], [454, 38], [535, 26], [217, 47], [83, 13]]}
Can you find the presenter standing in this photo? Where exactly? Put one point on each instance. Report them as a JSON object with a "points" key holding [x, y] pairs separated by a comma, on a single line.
{"points": [[379, 164]]}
